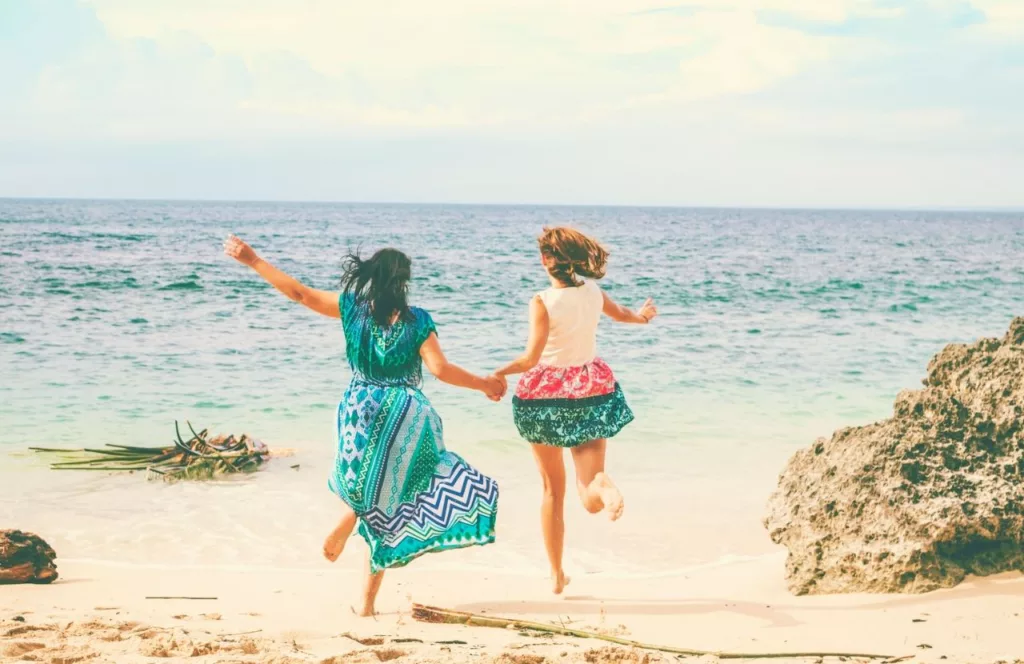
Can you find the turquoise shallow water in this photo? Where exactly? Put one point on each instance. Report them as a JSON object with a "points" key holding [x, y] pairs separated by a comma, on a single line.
{"points": [[116, 318]]}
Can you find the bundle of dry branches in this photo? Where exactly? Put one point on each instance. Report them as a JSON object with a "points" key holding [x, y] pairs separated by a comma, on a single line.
{"points": [[199, 457]]}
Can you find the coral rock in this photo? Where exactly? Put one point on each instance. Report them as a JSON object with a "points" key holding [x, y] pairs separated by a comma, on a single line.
{"points": [[920, 500]]}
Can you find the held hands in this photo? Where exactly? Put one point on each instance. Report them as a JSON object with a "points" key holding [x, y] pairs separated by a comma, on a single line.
{"points": [[648, 311], [495, 388], [237, 248]]}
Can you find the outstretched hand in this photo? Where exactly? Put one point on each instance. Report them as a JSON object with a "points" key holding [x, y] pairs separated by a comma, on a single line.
{"points": [[496, 387], [648, 311], [237, 248]]}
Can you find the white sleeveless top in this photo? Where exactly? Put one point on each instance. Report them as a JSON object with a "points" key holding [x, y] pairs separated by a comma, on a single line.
{"points": [[573, 315]]}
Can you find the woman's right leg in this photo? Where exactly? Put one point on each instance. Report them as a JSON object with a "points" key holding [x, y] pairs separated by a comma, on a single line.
{"points": [[335, 542], [371, 585], [552, 472]]}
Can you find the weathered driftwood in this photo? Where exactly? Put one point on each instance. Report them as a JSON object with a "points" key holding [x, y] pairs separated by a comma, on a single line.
{"points": [[25, 558], [199, 457], [433, 614]]}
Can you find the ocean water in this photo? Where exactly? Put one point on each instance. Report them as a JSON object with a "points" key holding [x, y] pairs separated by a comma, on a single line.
{"points": [[118, 318]]}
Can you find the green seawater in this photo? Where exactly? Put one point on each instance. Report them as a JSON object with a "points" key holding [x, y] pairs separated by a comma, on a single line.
{"points": [[117, 318]]}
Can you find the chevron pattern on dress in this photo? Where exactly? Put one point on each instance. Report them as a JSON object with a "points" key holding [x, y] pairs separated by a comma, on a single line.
{"points": [[448, 498], [478, 519]]}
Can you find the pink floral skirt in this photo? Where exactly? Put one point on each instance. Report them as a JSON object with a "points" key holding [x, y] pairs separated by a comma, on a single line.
{"points": [[568, 406]]}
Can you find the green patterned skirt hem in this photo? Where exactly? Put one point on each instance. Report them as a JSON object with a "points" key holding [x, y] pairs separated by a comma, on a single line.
{"points": [[571, 422], [458, 536]]}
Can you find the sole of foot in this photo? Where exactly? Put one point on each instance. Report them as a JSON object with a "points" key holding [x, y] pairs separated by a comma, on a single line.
{"points": [[614, 504]]}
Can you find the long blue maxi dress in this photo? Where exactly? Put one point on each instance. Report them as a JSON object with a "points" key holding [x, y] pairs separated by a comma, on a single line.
{"points": [[411, 495]]}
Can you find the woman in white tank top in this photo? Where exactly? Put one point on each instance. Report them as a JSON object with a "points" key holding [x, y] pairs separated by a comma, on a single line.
{"points": [[568, 396]]}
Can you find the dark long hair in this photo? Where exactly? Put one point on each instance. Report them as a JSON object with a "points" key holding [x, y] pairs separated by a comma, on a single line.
{"points": [[381, 280]]}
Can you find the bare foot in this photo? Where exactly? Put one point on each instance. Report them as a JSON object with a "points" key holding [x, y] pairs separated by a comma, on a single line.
{"points": [[559, 581], [610, 496], [366, 612], [335, 542]]}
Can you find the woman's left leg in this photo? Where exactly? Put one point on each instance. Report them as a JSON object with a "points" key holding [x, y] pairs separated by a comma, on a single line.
{"points": [[596, 489]]}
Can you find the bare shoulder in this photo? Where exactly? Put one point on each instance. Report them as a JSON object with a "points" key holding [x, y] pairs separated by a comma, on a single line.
{"points": [[537, 306]]}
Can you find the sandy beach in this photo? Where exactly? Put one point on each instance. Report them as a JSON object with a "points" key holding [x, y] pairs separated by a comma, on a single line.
{"points": [[102, 613]]}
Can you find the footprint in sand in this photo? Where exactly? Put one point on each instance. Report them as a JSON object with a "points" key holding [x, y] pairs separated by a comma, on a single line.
{"points": [[367, 656], [19, 648], [176, 646], [25, 629]]}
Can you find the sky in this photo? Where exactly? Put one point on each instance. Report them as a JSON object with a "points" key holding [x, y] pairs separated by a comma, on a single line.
{"points": [[802, 103]]}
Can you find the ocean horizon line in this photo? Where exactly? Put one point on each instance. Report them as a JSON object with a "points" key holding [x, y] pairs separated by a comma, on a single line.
{"points": [[524, 205]]}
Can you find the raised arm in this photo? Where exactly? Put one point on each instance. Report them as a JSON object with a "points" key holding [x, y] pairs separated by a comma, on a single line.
{"points": [[621, 314], [453, 374], [539, 328], [322, 302]]}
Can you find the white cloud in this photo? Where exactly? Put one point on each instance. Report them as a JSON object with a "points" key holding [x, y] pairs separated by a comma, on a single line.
{"points": [[746, 56], [822, 10], [1003, 17], [276, 68], [906, 126], [409, 34], [507, 61]]}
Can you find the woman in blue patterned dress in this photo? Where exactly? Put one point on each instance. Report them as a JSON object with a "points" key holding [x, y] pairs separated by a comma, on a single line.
{"points": [[568, 397], [397, 482]]}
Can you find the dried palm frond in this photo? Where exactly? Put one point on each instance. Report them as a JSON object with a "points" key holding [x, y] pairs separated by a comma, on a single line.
{"points": [[199, 457]]}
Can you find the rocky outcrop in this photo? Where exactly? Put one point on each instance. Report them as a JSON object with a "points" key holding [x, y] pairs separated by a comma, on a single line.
{"points": [[25, 558], [918, 501]]}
